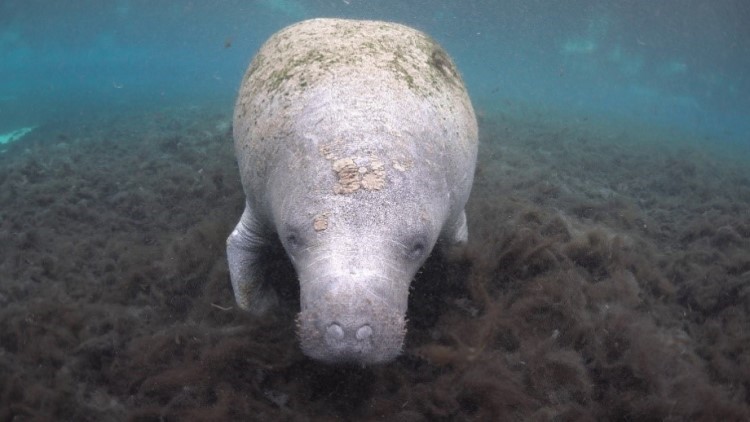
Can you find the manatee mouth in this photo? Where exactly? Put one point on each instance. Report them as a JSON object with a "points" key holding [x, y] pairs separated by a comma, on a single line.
{"points": [[368, 337]]}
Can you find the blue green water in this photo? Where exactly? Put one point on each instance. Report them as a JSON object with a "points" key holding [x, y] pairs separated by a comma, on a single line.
{"points": [[677, 63], [607, 274]]}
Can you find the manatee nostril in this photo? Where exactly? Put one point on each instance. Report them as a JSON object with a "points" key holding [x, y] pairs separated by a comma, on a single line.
{"points": [[335, 332], [364, 332]]}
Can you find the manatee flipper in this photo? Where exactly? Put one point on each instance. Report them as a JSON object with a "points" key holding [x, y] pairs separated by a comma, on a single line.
{"points": [[455, 236], [244, 251], [458, 233]]}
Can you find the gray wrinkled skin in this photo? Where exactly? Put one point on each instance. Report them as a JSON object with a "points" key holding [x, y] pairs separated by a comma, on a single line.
{"points": [[356, 143]]}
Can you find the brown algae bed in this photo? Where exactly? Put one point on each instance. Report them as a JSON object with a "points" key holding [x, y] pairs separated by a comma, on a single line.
{"points": [[607, 278]]}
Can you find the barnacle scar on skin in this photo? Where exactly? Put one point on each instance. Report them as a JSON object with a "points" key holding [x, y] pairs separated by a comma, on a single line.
{"points": [[320, 222], [352, 177]]}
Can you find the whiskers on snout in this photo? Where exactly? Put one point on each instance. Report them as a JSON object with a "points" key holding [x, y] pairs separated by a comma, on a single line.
{"points": [[350, 338]]}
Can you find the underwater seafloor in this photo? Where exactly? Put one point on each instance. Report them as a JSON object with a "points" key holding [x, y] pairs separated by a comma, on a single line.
{"points": [[607, 278]]}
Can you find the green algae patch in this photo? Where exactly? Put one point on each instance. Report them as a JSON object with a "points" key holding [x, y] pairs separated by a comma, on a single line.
{"points": [[370, 78], [305, 53]]}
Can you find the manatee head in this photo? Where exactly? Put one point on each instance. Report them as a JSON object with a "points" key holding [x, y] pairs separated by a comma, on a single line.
{"points": [[356, 249]]}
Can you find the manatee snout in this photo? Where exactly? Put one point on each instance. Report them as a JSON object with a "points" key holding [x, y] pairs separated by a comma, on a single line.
{"points": [[354, 313], [364, 332]]}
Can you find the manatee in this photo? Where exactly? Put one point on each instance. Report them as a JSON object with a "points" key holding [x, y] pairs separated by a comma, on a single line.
{"points": [[356, 143]]}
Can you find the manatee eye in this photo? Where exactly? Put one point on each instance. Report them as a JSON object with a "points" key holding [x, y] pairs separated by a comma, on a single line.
{"points": [[417, 248], [293, 241]]}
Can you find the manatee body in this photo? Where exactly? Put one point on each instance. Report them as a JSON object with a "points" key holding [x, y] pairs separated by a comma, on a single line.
{"points": [[356, 143]]}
